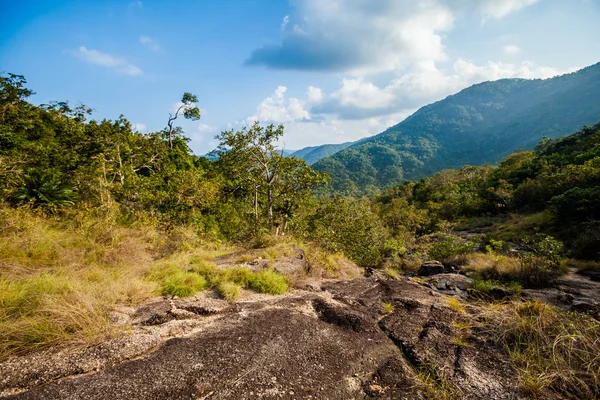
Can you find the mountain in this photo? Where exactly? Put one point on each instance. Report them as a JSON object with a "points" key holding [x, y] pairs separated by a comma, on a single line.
{"points": [[479, 125], [315, 153]]}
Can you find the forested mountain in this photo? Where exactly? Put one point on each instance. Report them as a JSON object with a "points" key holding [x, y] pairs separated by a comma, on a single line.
{"points": [[480, 124], [313, 154]]}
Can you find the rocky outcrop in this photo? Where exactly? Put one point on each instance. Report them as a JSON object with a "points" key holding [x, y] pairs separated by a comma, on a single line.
{"points": [[337, 343], [429, 268]]}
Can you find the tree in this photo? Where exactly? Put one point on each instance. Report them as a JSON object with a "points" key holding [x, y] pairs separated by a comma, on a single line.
{"points": [[189, 110], [12, 92], [253, 159]]}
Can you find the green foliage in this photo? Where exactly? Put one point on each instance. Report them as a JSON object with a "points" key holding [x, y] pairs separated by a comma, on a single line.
{"points": [[484, 286], [176, 282], [481, 124], [229, 291], [349, 226], [252, 162], [43, 189], [448, 247], [269, 282]]}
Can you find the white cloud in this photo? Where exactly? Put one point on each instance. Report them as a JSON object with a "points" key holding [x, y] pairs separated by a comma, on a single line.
{"points": [[366, 36], [361, 94], [206, 129], [314, 95], [422, 84], [511, 49], [278, 108], [284, 23], [106, 60], [501, 8], [139, 127], [149, 43]]}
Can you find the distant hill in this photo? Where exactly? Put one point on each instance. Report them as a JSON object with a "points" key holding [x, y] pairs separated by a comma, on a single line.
{"points": [[480, 124], [315, 153]]}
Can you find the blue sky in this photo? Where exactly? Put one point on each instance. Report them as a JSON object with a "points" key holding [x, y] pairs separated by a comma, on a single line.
{"points": [[329, 70]]}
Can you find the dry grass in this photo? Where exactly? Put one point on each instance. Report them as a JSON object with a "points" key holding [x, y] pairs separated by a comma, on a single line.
{"points": [[456, 305], [325, 264], [553, 350], [59, 278]]}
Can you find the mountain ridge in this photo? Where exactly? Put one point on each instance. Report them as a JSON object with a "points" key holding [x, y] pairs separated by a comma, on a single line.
{"points": [[478, 125]]}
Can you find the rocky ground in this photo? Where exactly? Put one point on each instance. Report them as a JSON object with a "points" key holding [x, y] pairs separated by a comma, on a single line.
{"points": [[364, 338]]}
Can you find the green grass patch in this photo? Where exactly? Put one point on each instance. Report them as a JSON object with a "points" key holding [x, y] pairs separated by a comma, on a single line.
{"points": [[269, 282], [229, 291]]}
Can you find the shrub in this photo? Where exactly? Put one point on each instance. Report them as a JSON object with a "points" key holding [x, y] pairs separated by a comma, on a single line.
{"points": [[269, 282], [449, 247], [542, 260]]}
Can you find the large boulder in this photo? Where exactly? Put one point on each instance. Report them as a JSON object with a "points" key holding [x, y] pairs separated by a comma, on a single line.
{"points": [[429, 268]]}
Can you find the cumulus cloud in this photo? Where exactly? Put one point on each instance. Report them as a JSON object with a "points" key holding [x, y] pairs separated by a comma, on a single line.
{"points": [[370, 36], [106, 60], [205, 129], [149, 43], [277, 108], [422, 84], [357, 35], [314, 95]]}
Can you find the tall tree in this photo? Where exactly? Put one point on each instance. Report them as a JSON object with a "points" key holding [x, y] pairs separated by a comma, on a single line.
{"points": [[253, 157], [188, 109]]}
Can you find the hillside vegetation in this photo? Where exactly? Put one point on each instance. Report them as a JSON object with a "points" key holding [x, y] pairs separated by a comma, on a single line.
{"points": [[315, 153], [479, 125], [95, 216]]}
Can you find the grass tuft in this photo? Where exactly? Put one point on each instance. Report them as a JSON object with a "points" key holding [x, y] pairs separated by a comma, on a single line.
{"points": [[268, 281], [456, 305], [388, 307], [229, 291]]}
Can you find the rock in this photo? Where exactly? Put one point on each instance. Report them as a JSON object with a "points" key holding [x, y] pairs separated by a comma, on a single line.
{"points": [[118, 318], [442, 284], [452, 281], [429, 268], [584, 305]]}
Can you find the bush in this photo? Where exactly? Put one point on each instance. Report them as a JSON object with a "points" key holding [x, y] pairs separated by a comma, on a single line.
{"points": [[449, 247], [269, 282], [542, 260]]}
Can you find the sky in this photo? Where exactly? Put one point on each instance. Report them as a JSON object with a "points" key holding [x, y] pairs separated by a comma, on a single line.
{"points": [[330, 71]]}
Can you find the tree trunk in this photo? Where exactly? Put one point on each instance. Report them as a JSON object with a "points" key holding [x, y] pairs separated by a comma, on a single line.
{"points": [[270, 207], [255, 208]]}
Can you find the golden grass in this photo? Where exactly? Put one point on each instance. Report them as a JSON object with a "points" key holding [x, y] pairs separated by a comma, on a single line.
{"points": [[553, 350], [325, 264], [388, 307], [456, 305], [59, 278]]}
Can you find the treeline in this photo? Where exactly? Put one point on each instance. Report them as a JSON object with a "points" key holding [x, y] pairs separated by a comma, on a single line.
{"points": [[53, 159], [559, 182]]}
